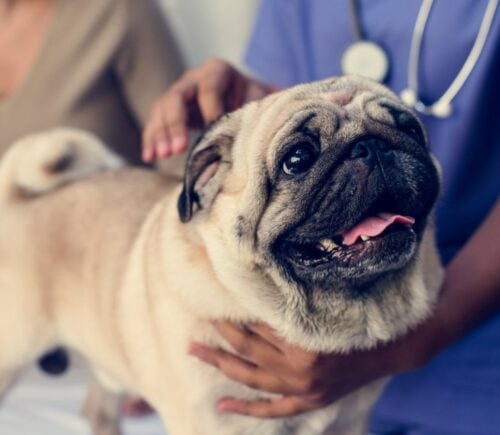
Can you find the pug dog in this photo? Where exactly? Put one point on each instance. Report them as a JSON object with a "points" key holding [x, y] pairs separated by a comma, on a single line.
{"points": [[309, 210]]}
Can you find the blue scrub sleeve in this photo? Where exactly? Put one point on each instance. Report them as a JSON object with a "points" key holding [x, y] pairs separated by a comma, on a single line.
{"points": [[271, 50]]}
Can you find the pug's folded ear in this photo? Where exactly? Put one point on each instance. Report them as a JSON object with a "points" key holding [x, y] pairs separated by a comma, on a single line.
{"points": [[207, 164]]}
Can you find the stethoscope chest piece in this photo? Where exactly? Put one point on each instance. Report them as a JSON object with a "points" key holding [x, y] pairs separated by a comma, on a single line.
{"points": [[367, 59]]}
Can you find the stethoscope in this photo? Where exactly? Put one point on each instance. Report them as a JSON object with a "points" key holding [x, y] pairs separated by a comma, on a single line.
{"points": [[369, 59]]}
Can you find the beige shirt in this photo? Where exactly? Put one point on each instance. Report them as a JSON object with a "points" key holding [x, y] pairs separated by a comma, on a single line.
{"points": [[102, 64]]}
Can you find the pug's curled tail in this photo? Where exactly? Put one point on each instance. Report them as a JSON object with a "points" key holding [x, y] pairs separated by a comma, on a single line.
{"points": [[41, 162]]}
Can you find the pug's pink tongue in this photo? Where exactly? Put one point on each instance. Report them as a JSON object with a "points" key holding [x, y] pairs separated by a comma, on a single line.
{"points": [[373, 226]]}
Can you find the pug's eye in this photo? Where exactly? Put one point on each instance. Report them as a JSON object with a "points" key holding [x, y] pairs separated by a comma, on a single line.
{"points": [[299, 159]]}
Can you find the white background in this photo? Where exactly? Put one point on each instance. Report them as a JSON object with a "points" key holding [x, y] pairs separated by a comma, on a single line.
{"points": [[211, 27]]}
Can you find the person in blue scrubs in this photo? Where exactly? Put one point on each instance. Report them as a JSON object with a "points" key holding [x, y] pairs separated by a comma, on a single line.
{"points": [[448, 371]]}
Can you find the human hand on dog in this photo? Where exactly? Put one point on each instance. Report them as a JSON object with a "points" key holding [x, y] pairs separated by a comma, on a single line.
{"points": [[308, 380], [198, 98], [305, 380]]}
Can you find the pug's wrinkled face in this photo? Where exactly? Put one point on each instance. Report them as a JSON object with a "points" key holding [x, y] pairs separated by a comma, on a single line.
{"points": [[360, 193], [329, 187]]}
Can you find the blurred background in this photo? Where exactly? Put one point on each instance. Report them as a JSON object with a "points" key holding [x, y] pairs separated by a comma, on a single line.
{"points": [[211, 28]]}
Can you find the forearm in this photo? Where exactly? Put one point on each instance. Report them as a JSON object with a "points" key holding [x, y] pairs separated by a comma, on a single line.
{"points": [[470, 292]]}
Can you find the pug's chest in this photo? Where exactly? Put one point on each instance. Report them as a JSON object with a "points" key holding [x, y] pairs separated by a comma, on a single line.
{"points": [[198, 386], [201, 386], [206, 418], [192, 388]]}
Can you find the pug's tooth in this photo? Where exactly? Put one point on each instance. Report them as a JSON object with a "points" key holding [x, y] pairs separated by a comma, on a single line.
{"points": [[364, 237], [320, 246], [328, 244]]}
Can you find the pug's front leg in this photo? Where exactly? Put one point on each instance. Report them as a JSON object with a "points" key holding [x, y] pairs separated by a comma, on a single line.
{"points": [[102, 408]]}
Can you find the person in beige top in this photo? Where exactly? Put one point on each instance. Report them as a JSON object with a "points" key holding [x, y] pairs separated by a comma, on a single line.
{"points": [[93, 64]]}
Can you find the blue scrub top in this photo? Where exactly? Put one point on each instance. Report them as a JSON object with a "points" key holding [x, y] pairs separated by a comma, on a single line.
{"points": [[298, 41]]}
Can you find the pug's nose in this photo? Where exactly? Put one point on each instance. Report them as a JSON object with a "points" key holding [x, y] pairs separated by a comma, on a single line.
{"points": [[371, 151]]}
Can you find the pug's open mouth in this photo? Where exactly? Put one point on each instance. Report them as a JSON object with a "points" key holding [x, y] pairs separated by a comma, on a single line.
{"points": [[379, 235]]}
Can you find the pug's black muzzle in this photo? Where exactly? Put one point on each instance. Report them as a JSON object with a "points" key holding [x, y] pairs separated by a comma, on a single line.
{"points": [[365, 217]]}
